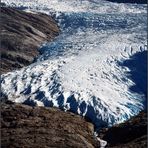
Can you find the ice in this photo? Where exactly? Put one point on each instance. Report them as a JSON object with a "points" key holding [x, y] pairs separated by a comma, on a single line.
{"points": [[82, 70]]}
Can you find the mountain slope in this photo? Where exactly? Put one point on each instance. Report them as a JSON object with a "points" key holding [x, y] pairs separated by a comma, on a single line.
{"points": [[83, 70], [21, 35], [38, 127]]}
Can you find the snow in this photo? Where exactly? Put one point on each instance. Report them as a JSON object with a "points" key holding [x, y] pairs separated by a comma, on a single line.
{"points": [[103, 143], [80, 71]]}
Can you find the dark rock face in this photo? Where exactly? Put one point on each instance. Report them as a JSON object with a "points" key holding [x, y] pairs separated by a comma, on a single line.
{"points": [[21, 35], [38, 127], [131, 134], [23, 126]]}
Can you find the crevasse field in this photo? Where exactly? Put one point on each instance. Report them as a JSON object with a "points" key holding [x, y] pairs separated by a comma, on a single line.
{"points": [[95, 67]]}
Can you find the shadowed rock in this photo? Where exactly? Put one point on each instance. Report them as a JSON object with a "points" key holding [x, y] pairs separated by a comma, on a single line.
{"points": [[131, 134]]}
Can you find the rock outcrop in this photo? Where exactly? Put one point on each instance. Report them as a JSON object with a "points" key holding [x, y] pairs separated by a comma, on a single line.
{"points": [[23, 126], [21, 35], [131, 134]]}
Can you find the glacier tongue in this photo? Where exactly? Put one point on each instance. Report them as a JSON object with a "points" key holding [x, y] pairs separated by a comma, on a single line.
{"points": [[80, 70]]}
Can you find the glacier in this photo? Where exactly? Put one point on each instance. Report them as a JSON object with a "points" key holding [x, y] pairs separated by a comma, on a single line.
{"points": [[81, 70]]}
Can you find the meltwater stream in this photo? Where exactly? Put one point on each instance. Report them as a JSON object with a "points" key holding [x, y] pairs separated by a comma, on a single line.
{"points": [[89, 69]]}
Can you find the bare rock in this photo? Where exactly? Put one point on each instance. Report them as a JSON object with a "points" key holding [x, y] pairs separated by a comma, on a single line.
{"points": [[21, 35], [23, 126]]}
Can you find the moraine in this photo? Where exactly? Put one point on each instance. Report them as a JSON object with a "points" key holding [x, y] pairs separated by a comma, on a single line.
{"points": [[82, 70]]}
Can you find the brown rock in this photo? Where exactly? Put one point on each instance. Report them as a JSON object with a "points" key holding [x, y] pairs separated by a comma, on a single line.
{"points": [[23, 126], [130, 134]]}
